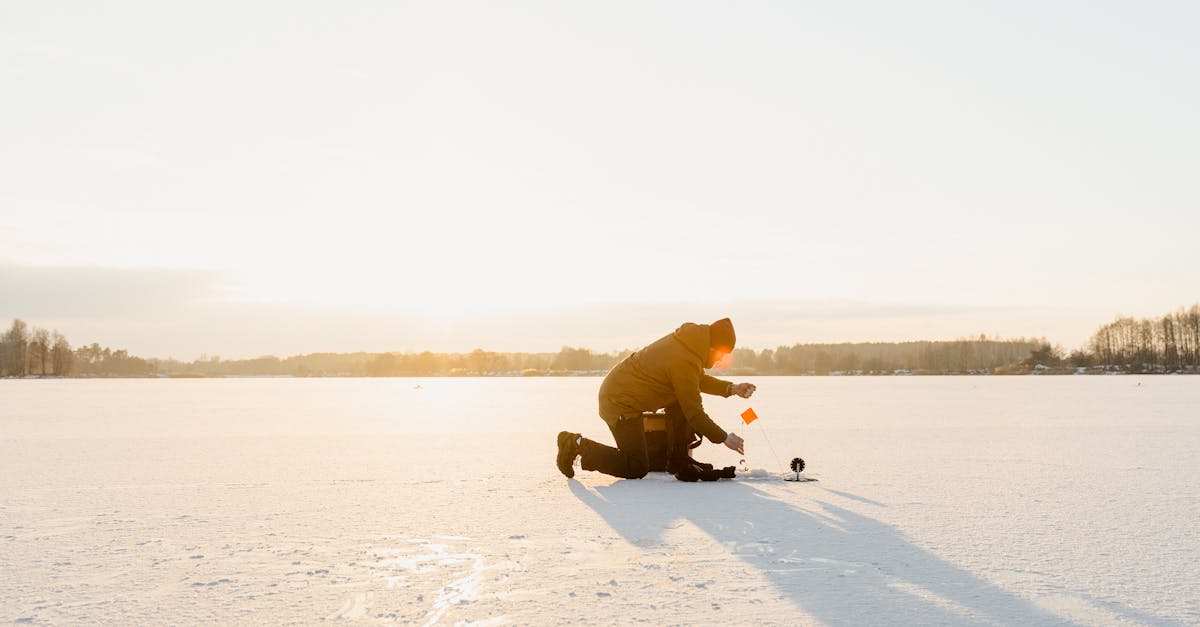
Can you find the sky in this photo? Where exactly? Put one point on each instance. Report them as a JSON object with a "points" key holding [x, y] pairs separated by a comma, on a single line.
{"points": [[242, 179]]}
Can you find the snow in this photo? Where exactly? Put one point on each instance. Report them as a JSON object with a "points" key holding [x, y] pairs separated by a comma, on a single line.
{"points": [[940, 500]]}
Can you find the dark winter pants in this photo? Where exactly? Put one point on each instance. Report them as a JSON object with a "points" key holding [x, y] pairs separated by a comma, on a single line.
{"points": [[629, 459]]}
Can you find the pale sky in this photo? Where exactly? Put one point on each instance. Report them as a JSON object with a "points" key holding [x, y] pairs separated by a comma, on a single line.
{"points": [[249, 178]]}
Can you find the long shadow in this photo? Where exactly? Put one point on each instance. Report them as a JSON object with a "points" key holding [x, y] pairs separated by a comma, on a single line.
{"points": [[841, 567], [855, 497]]}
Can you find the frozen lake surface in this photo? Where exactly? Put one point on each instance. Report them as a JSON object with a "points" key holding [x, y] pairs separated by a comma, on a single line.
{"points": [[969, 500]]}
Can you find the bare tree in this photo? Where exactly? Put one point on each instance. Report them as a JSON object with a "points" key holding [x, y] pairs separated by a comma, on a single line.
{"points": [[39, 349], [61, 357], [16, 348], [1171, 343]]}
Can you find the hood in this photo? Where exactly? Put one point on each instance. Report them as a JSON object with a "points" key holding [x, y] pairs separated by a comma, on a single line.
{"points": [[694, 337]]}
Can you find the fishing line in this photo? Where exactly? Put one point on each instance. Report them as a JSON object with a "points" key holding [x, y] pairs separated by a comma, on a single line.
{"points": [[748, 417], [768, 440]]}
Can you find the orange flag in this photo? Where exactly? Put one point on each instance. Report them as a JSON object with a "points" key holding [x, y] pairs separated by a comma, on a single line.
{"points": [[749, 416]]}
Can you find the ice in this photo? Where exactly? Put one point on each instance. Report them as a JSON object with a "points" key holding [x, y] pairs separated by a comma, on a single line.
{"points": [[961, 500]]}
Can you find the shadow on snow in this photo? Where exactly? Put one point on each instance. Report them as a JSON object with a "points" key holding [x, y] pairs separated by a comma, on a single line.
{"points": [[838, 565]]}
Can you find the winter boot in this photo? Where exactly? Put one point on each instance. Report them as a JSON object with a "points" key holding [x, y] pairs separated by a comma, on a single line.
{"points": [[687, 472], [700, 471], [568, 450]]}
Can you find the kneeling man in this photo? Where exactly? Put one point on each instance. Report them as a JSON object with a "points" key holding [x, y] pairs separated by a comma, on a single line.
{"points": [[666, 374]]}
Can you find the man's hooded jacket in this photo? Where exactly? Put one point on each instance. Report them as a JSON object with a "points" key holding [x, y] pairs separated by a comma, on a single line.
{"points": [[669, 371]]}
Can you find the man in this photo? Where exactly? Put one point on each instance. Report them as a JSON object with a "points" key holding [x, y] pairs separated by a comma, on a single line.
{"points": [[666, 374]]}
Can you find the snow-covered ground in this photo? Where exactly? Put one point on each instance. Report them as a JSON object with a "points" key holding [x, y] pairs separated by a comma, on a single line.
{"points": [[989, 500]]}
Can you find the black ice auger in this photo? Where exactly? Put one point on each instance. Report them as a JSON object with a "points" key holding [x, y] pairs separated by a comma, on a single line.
{"points": [[798, 466]]}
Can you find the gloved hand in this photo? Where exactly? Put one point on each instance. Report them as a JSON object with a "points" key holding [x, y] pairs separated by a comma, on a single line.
{"points": [[699, 471]]}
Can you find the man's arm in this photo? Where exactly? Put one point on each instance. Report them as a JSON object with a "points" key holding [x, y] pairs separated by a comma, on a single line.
{"points": [[717, 387], [686, 384]]}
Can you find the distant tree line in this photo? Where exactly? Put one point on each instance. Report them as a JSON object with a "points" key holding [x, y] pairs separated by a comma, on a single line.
{"points": [[976, 356], [35, 351], [98, 360], [25, 351], [979, 356], [476, 363], [1167, 344]]}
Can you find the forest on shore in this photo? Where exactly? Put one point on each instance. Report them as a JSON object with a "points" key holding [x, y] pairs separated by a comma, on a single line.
{"points": [[1169, 344]]}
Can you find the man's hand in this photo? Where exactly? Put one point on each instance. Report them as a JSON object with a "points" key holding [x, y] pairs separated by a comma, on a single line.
{"points": [[735, 442], [743, 390]]}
